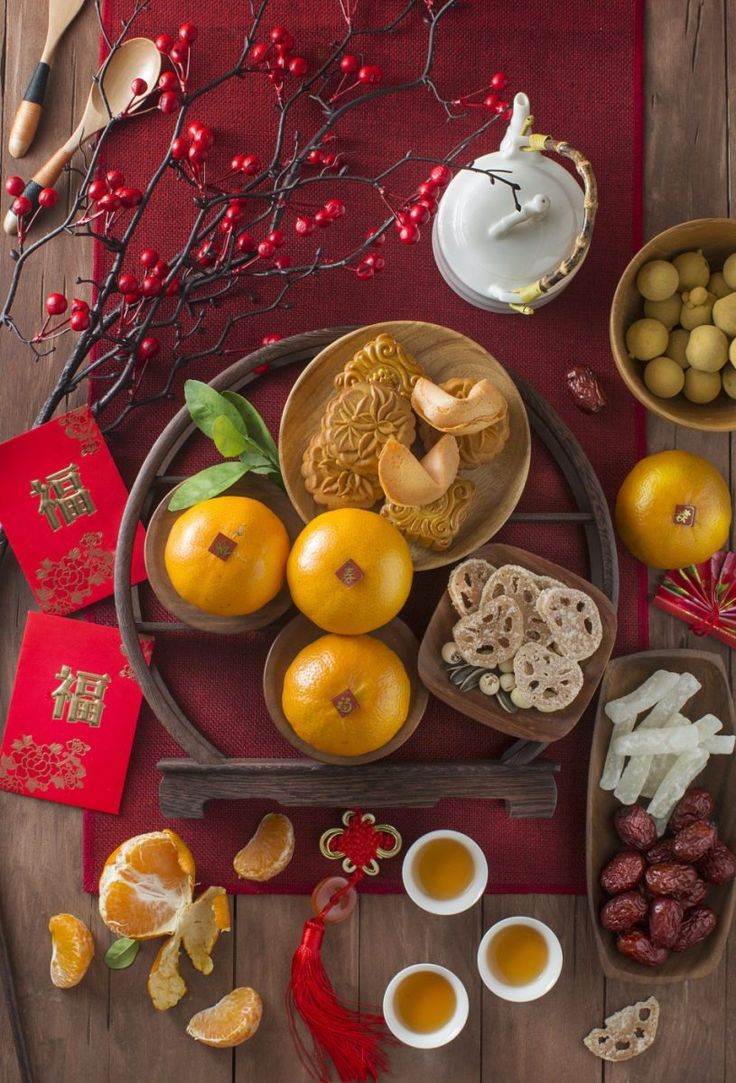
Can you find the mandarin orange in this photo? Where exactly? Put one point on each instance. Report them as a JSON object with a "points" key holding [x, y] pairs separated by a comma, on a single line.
{"points": [[227, 556], [72, 950], [269, 851], [232, 1021], [350, 571]]}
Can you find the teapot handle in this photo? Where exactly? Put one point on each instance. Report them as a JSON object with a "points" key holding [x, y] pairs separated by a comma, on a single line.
{"points": [[567, 266]]}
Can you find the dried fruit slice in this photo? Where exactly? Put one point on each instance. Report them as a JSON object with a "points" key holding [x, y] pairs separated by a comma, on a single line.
{"points": [[549, 681], [465, 585], [574, 619], [232, 1021], [199, 927], [626, 1033], [72, 950], [145, 884], [492, 635], [269, 851]]}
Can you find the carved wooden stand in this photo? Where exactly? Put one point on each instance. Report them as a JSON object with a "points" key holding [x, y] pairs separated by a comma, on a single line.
{"points": [[528, 788]]}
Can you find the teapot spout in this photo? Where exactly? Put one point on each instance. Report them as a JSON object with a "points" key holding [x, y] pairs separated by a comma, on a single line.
{"points": [[517, 129]]}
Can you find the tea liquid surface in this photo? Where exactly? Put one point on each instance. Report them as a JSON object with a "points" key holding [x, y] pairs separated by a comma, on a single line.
{"points": [[425, 1001], [518, 954], [444, 868]]}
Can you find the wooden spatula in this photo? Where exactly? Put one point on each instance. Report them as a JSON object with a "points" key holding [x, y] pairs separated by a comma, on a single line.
{"points": [[23, 130]]}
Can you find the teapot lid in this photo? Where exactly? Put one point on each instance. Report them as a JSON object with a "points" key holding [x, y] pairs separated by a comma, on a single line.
{"points": [[509, 217]]}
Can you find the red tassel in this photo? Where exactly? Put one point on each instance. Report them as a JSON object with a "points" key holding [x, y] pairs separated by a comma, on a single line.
{"points": [[353, 1040]]}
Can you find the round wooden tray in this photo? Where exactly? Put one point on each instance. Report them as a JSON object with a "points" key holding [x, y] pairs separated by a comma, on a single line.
{"points": [[592, 515]]}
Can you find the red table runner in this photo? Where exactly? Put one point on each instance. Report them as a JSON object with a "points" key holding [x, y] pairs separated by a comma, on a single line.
{"points": [[581, 66]]}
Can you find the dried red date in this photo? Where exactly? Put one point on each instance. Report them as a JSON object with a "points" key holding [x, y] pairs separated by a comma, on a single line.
{"points": [[694, 841], [719, 864], [664, 850], [695, 805], [665, 921], [623, 872], [695, 896], [623, 912], [635, 827], [668, 878], [699, 923], [637, 946], [586, 390]]}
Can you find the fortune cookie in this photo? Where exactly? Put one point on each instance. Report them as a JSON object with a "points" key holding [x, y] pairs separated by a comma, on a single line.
{"points": [[407, 481], [482, 406]]}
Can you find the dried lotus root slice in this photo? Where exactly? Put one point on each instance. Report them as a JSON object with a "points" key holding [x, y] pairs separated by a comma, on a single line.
{"points": [[574, 618], [545, 582], [513, 581], [492, 635], [626, 1033], [536, 629], [466, 583], [550, 681]]}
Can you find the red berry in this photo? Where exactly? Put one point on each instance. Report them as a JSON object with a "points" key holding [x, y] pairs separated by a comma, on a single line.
{"points": [[304, 225], [323, 219], [251, 165], [160, 269], [233, 215], [173, 288], [151, 286], [115, 179], [427, 188], [276, 238], [403, 218], [168, 102], [375, 237], [79, 321], [501, 107], [129, 197], [285, 46], [56, 304], [78, 305], [429, 203], [364, 270], [283, 261], [14, 186], [418, 214], [22, 206], [127, 282], [47, 197], [179, 148], [329, 159], [265, 249], [279, 34], [315, 157], [149, 257], [131, 298], [268, 340], [203, 137], [499, 81], [375, 261], [168, 81], [188, 33], [205, 256], [197, 155], [409, 234], [163, 43], [490, 102], [236, 163], [139, 87], [349, 64], [335, 208], [258, 52], [149, 347], [109, 203], [179, 52], [298, 66], [245, 242], [370, 75], [441, 175]]}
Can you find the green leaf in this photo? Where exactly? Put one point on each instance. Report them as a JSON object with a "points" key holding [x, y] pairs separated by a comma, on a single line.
{"points": [[122, 953], [229, 441], [206, 405], [254, 423], [207, 483]]}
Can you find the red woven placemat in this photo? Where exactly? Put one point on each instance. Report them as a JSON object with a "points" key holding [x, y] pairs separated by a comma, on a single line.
{"points": [[581, 66]]}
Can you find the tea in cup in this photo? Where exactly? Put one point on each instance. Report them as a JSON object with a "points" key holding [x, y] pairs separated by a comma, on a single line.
{"points": [[520, 959], [445, 872], [425, 1006]]}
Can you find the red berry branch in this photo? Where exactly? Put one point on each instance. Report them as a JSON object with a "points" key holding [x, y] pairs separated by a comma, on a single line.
{"points": [[256, 225]]}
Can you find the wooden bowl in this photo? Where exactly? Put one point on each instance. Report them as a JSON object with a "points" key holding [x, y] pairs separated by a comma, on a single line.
{"points": [[621, 677], [531, 724], [157, 535], [442, 354], [717, 238], [298, 634]]}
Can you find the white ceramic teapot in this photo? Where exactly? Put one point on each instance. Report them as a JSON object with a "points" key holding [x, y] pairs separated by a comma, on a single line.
{"points": [[513, 227]]}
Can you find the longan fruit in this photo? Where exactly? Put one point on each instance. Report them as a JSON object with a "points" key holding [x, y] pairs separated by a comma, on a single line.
{"points": [[728, 376], [702, 387], [707, 349], [646, 339], [664, 377], [657, 280], [732, 352], [696, 315], [724, 313], [667, 311], [677, 346], [717, 284], [729, 271], [692, 270]]}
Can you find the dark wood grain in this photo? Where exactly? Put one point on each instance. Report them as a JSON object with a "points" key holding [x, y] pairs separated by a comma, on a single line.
{"points": [[530, 724], [714, 697]]}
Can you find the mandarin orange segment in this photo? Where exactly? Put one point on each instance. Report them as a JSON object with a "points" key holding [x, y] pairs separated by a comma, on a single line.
{"points": [[145, 884], [269, 851], [232, 1021], [72, 950]]}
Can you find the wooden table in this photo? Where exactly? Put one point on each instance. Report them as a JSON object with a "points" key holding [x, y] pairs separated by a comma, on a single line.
{"points": [[106, 1029]]}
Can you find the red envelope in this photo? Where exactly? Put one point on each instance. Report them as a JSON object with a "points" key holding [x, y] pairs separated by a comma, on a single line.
{"points": [[61, 502], [72, 715]]}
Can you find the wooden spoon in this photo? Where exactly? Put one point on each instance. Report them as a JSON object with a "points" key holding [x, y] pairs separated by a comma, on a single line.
{"points": [[137, 58], [23, 131]]}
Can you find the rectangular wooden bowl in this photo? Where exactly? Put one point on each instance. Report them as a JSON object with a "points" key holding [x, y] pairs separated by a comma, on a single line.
{"points": [[530, 724], [719, 776]]}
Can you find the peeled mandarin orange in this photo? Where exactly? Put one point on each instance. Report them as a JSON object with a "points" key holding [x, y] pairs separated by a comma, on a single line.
{"points": [[346, 695], [72, 950], [269, 851], [232, 1021], [227, 556], [350, 571], [198, 929], [673, 509]]}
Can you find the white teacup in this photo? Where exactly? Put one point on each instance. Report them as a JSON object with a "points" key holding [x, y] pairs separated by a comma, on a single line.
{"points": [[432, 1039], [538, 986], [455, 905]]}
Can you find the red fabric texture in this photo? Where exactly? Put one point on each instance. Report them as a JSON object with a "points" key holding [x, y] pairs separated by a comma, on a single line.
{"points": [[581, 66]]}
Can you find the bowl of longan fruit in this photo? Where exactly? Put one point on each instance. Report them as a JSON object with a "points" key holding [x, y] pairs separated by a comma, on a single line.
{"points": [[673, 324]]}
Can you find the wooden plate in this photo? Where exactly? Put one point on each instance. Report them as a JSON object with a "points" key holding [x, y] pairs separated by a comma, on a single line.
{"points": [[621, 677], [442, 354], [300, 632], [532, 724], [157, 535]]}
